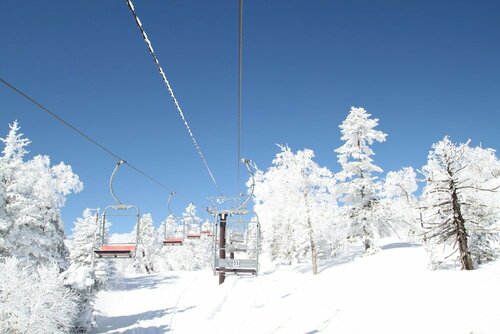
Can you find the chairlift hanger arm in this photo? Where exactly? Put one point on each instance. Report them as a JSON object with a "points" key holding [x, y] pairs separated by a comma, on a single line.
{"points": [[252, 187], [118, 164], [168, 203]]}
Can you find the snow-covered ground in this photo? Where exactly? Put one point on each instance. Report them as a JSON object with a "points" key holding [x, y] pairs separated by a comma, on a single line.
{"points": [[389, 292]]}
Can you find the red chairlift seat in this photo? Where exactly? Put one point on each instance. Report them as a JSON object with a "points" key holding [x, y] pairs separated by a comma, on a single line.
{"points": [[124, 250], [193, 236], [173, 241], [207, 233]]}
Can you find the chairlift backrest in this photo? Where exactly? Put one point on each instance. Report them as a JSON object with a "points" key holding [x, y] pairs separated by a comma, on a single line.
{"points": [[243, 254], [118, 249]]}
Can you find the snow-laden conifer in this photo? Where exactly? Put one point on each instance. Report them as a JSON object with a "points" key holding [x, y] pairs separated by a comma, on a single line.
{"points": [[148, 246], [194, 254], [14, 144], [11, 160], [190, 220], [358, 184], [169, 228], [81, 274], [34, 193], [458, 200]]}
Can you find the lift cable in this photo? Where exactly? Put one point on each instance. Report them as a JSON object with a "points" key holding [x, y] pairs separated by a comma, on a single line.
{"points": [[167, 83], [81, 133], [240, 74]]}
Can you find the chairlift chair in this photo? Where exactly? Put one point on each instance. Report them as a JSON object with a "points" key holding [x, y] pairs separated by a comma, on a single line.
{"points": [[244, 258], [193, 228], [106, 249], [207, 229], [174, 239], [117, 250], [207, 233]]}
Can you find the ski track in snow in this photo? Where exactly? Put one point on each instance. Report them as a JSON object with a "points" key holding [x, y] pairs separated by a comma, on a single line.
{"points": [[390, 292], [179, 299]]}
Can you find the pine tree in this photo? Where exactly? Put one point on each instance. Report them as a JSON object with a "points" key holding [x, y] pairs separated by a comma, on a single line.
{"points": [[456, 200], [11, 160], [190, 220], [357, 183], [168, 228], [148, 246], [35, 192], [81, 274]]}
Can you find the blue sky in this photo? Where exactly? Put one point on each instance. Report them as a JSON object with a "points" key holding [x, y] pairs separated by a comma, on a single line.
{"points": [[424, 68]]}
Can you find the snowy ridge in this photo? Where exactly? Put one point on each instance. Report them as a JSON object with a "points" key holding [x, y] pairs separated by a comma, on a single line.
{"points": [[390, 292]]}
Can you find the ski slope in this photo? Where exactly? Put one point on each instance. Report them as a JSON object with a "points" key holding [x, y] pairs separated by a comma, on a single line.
{"points": [[389, 292]]}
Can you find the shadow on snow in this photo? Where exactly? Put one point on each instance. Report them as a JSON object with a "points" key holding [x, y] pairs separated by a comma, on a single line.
{"points": [[399, 245], [143, 282], [118, 323]]}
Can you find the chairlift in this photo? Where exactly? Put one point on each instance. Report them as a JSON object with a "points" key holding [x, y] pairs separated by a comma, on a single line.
{"points": [[173, 239], [243, 250], [193, 233], [106, 249], [206, 228], [243, 240]]}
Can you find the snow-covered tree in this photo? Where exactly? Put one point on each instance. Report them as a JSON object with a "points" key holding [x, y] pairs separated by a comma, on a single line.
{"points": [[34, 299], [148, 246], [398, 196], [288, 198], [81, 274], [207, 227], [253, 237], [34, 192], [457, 201], [191, 220], [105, 270], [358, 185], [169, 229], [14, 144], [194, 254], [10, 161], [401, 184]]}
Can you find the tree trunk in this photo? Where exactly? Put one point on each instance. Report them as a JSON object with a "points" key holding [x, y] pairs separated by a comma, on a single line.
{"points": [[459, 222], [461, 233], [314, 252], [148, 270], [366, 234]]}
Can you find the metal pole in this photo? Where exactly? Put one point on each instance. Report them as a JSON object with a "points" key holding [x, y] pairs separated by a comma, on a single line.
{"points": [[103, 226], [222, 243]]}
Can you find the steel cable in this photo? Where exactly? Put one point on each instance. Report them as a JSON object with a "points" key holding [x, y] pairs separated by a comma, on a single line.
{"points": [[171, 92], [81, 133]]}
